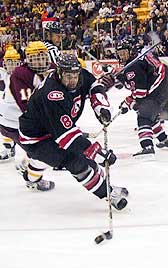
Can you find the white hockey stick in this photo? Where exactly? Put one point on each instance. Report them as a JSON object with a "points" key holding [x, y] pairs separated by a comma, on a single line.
{"points": [[109, 234]]}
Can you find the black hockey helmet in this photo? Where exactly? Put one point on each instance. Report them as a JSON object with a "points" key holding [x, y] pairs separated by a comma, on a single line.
{"points": [[53, 27], [123, 52], [53, 31], [128, 50], [68, 69], [68, 63]]}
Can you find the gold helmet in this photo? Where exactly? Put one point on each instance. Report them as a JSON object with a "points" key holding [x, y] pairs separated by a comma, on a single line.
{"points": [[11, 54], [37, 56], [11, 59], [35, 47]]}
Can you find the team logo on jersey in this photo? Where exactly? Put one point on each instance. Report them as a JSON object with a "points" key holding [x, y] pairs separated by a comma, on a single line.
{"points": [[55, 95], [76, 107], [130, 75]]}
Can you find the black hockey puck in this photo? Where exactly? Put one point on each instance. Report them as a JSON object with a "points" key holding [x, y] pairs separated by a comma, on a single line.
{"points": [[108, 235], [99, 239]]}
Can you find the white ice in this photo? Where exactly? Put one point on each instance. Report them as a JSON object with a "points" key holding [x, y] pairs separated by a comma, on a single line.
{"points": [[57, 229]]}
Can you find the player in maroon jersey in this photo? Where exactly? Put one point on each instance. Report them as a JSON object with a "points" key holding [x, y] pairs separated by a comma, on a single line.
{"points": [[23, 82]]}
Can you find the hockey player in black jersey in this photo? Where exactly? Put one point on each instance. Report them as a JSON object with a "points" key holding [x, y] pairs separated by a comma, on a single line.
{"points": [[49, 133], [53, 39], [147, 80]]}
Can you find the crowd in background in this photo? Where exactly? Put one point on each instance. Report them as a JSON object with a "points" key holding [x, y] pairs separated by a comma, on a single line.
{"points": [[98, 25]]}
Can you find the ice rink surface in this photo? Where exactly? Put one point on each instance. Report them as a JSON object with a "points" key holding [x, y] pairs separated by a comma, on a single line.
{"points": [[57, 229]]}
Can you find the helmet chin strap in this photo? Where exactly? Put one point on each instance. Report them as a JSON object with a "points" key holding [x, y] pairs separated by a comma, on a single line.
{"points": [[72, 90]]}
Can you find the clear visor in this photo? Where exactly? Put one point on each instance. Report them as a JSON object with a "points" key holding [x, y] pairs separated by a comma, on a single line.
{"points": [[70, 79], [38, 62], [10, 65]]}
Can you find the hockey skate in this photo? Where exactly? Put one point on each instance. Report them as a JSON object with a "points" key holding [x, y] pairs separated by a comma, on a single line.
{"points": [[117, 199], [162, 144], [21, 167], [121, 191], [41, 185], [8, 153], [147, 153]]}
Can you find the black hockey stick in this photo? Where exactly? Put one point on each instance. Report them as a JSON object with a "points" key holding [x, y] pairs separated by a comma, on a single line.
{"points": [[109, 234], [104, 66]]}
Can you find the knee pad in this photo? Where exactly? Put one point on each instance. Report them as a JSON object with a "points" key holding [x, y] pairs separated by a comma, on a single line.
{"points": [[148, 111], [93, 180], [88, 174], [143, 121]]}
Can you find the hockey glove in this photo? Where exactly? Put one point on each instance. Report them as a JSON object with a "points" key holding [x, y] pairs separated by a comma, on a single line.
{"points": [[95, 149], [104, 117], [108, 81], [118, 84], [105, 68], [101, 107], [127, 104], [109, 156], [92, 150]]}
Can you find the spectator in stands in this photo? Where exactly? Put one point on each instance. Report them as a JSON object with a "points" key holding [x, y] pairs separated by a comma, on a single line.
{"points": [[95, 50], [106, 40], [109, 54], [118, 8], [104, 11], [97, 4], [72, 42], [111, 9], [159, 32], [165, 42], [71, 12], [87, 38], [90, 8], [84, 5], [65, 41], [80, 16], [76, 4]]}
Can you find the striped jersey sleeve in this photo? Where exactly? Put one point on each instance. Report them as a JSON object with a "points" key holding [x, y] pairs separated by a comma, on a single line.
{"points": [[53, 51]]}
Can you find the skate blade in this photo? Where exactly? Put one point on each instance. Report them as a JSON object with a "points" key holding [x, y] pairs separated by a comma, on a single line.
{"points": [[7, 160], [145, 157], [165, 148]]}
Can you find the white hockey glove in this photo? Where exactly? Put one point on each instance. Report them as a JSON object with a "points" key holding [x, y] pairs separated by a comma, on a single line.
{"points": [[101, 107]]}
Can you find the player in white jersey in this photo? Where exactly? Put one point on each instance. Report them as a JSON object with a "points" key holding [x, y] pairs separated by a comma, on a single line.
{"points": [[10, 61], [53, 40]]}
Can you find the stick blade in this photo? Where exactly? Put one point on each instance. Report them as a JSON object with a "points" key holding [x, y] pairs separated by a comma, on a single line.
{"points": [[104, 236]]}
